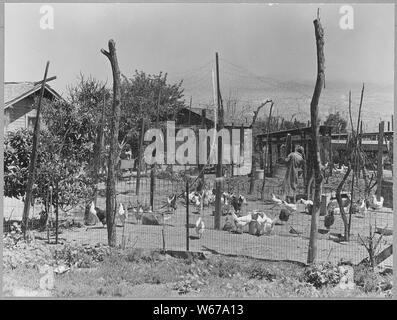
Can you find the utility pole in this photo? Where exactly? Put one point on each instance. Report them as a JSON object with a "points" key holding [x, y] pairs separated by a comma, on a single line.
{"points": [[219, 171]]}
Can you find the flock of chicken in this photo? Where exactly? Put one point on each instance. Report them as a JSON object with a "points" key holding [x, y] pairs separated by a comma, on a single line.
{"points": [[259, 223], [207, 198], [360, 207]]}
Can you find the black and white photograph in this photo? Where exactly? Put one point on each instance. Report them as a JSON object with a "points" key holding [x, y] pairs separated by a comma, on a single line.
{"points": [[198, 151]]}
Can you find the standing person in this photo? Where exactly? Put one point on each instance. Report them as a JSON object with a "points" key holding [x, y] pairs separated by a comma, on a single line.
{"points": [[294, 161]]}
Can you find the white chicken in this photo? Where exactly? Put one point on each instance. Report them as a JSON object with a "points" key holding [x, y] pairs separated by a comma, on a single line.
{"points": [[199, 227], [342, 170], [360, 208], [241, 221], [263, 218], [265, 224], [138, 214], [276, 200], [291, 207], [375, 204], [92, 209], [305, 202], [121, 214], [100, 214]]}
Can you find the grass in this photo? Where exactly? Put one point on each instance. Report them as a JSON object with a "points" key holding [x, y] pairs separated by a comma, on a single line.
{"points": [[138, 273]]}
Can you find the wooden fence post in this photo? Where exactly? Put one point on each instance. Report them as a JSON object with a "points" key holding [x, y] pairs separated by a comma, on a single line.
{"points": [[187, 214], [33, 158], [139, 162], [56, 212], [380, 160], [319, 33], [114, 143]]}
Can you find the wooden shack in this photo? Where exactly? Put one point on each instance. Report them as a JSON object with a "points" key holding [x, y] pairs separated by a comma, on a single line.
{"points": [[275, 142]]}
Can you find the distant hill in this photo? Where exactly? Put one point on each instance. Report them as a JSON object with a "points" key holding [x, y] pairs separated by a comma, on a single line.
{"points": [[292, 98]]}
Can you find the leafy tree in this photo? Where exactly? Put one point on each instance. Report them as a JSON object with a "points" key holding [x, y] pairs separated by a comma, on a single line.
{"points": [[75, 121], [336, 121], [141, 96], [51, 169]]}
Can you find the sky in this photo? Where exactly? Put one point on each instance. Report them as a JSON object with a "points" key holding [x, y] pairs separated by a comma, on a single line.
{"points": [[270, 41]]}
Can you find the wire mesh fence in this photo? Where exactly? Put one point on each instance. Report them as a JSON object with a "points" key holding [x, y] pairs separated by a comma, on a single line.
{"points": [[161, 227]]}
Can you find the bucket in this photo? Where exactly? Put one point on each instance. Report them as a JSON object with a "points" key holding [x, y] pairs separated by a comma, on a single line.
{"points": [[259, 174]]}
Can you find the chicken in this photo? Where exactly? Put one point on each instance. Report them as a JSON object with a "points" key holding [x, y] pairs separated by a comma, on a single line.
{"points": [[138, 213], [225, 198], [308, 205], [266, 224], [375, 204], [171, 200], [305, 202], [241, 221], [276, 200], [342, 170], [329, 219], [99, 213], [291, 207], [360, 208], [208, 197], [238, 202], [284, 215], [121, 214], [199, 227], [333, 205]]}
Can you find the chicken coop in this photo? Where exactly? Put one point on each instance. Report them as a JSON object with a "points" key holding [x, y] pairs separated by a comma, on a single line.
{"points": [[278, 144]]}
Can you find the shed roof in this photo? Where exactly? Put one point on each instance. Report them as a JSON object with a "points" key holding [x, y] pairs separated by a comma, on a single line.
{"points": [[16, 91], [324, 130]]}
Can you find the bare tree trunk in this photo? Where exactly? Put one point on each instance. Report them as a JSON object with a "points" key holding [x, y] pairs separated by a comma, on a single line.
{"points": [[139, 159], [267, 151], [319, 33], [114, 144], [33, 158], [98, 152], [340, 203], [253, 166]]}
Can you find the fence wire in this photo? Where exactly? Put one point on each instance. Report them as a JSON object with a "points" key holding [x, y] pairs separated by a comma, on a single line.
{"points": [[288, 241]]}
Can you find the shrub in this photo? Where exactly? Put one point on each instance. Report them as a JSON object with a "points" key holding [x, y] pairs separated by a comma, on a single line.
{"points": [[366, 278], [80, 256], [259, 272], [322, 275]]}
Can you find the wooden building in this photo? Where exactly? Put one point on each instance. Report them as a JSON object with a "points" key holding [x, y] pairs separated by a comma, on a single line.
{"points": [[299, 136], [19, 98]]}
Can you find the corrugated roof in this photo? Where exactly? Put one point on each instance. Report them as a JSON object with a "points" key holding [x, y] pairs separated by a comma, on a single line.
{"points": [[15, 91]]}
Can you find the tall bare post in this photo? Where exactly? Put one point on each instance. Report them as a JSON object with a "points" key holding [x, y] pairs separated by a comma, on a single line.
{"points": [[98, 151], [33, 157], [114, 143], [254, 144], [380, 160], [288, 144], [319, 33], [219, 167], [139, 164], [267, 151], [56, 211], [187, 214], [200, 165]]}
